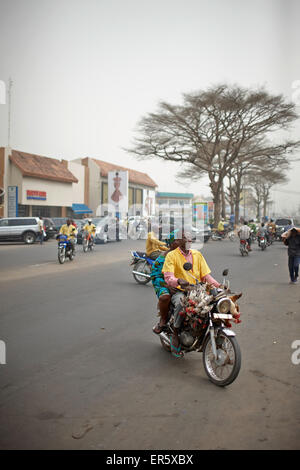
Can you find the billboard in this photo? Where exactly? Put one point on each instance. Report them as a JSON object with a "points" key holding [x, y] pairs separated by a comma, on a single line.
{"points": [[118, 191]]}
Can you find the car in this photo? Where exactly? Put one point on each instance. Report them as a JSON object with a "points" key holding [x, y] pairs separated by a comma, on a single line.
{"points": [[59, 221], [199, 233], [282, 224], [24, 229], [51, 230]]}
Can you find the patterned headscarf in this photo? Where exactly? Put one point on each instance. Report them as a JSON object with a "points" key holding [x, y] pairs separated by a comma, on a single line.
{"points": [[172, 237]]}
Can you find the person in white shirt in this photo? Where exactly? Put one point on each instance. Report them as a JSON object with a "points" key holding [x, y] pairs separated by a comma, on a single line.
{"points": [[41, 229], [244, 234]]}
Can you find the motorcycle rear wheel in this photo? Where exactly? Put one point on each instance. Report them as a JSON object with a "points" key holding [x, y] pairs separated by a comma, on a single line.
{"points": [[230, 353], [142, 267]]}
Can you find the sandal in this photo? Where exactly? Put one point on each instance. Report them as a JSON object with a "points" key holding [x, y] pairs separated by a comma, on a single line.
{"points": [[157, 329], [176, 351]]}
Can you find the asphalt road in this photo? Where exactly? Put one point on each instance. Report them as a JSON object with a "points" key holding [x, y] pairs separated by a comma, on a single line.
{"points": [[85, 371]]}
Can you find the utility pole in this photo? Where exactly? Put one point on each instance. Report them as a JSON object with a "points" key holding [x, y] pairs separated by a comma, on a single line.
{"points": [[10, 84]]}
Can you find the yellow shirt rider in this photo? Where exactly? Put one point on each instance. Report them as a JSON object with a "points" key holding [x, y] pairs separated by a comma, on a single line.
{"points": [[90, 228]]}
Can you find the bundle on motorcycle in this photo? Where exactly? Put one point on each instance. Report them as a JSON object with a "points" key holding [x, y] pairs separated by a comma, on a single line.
{"points": [[142, 267], [65, 248], [207, 315]]}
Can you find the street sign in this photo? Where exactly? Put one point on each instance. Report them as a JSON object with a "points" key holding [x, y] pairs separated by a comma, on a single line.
{"points": [[12, 201]]}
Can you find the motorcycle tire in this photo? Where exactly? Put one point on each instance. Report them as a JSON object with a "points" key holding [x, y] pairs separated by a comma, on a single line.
{"points": [[208, 364], [61, 256], [84, 246], [141, 267], [71, 256], [215, 237]]}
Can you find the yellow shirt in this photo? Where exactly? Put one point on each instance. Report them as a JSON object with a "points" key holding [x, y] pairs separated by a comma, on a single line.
{"points": [[221, 226], [68, 230], [153, 244], [174, 264], [91, 228]]}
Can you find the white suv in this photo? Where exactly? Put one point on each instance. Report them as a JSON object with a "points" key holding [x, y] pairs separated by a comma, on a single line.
{"points": [[19, 228]]}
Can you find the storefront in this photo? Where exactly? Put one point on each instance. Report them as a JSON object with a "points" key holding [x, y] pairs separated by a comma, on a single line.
{"points": [[44, 186]]}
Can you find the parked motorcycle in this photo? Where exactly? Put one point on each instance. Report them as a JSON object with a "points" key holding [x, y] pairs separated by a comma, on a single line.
{"points": [[65, 249], [244, 248], [206, 328], [87, 242], [142, 267]]}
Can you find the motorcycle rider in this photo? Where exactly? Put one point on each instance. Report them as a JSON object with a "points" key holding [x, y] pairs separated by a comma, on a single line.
{"points": [[221, 227], [271, 228], [263, 232], [90, 228], [244, 234], [162, 291], [176, 277], [70, 231]]}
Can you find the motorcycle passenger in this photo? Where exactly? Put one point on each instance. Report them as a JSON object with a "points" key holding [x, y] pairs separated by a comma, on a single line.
{"points": [[154, 247], [244, 233], [90, 228], [176, 277], [162, 291], [70, 231]]}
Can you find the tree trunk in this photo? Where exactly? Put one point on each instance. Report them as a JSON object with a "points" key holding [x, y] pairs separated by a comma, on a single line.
{"points": [[223, 201]]}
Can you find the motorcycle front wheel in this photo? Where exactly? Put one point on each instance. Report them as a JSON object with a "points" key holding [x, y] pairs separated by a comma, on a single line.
{"points": [[85, 245], [61, 255], [142, 267], [225, 369], [215, 237]]}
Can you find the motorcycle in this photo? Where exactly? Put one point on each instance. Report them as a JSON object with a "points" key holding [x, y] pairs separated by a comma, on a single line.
{"points": [[206, 328], [65, 249], [142, 267], [87, 242], [218, 236], [244, 248], [262, 242]]}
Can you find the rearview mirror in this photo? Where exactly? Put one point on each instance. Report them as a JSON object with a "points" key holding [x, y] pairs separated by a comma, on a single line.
{"points": [[225, 272], [187, 266]]}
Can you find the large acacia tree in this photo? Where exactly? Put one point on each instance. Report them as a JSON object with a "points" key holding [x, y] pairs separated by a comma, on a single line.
{"points": [[209, 132]]}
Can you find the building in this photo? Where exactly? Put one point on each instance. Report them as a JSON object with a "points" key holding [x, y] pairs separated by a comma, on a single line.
{"points": [[141, 188], [174, 202], [40, 186]]}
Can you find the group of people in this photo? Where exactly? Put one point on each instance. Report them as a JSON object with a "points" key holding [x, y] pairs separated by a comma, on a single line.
{"points": [[169, 278], [265, 230], [70, 230]]}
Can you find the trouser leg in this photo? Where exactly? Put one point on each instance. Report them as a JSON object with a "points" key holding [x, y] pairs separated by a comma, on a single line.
{"points": [[291, 267], [176, 301]]}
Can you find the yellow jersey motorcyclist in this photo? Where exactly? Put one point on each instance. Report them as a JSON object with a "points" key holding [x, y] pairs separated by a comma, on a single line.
{"points": [[90, 228], [70, 231]]}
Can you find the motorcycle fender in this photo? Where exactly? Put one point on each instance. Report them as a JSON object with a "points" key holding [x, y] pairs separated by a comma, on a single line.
{"points": [[228, 331]]}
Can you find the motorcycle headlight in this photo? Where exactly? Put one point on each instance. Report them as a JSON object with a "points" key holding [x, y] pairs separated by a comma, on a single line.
{"points": [[223, 306]]}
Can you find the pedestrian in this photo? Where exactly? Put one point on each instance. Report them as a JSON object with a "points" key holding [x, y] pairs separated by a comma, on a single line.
{"points": [[41, 230], [292, 240]]}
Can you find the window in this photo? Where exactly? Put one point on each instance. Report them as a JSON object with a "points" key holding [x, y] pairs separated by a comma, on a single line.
{"points": [[3, 223], [104, 193], [130, 197], [138, 196]]}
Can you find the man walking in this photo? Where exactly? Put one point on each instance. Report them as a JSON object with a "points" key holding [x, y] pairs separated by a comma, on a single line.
{"points": [[292, 240], [41, 230]]}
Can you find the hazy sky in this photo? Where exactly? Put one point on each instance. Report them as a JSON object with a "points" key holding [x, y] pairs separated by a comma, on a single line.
{"points": [[85, 71]]}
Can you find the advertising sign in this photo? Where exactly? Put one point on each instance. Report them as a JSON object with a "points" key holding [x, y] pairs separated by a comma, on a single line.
{"points": [[118, 190], [12, 201], [40, 195]]}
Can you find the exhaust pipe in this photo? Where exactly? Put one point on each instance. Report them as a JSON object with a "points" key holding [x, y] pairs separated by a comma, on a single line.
{"points": [[165, 338], [141, 274]]}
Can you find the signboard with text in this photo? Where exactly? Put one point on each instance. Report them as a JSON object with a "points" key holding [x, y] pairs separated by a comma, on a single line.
{"points": [[12, 201], [39, 195], [118, 190]]}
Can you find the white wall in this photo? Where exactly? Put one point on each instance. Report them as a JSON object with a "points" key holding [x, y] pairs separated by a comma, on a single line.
{"points": [[58, 194], [77, 188]]}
